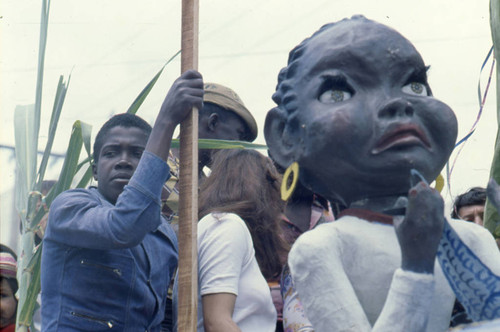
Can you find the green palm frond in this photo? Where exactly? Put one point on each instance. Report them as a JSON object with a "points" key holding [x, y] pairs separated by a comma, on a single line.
{"points": [[25, 317], [54, 120], [79, 134], [223, 144], [26, 151], [145, 92]]}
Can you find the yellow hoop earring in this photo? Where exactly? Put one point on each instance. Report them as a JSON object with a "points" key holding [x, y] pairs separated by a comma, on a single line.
{"points": [[439, 185], [293, 170]]}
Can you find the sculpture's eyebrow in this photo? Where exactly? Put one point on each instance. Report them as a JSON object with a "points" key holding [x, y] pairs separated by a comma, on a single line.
{"points": [[341, 59], [418, 74]]}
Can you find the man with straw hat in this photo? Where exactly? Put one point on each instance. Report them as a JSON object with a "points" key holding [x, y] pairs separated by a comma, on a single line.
{"points": [[224, 117]]}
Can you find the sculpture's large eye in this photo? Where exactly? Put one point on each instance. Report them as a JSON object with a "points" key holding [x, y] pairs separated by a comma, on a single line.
{"points": [[334, 96], [335, 90], [415, 88]]}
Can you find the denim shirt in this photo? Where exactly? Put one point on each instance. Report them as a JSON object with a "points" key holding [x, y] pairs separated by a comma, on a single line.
{"points": [[108, 267]]}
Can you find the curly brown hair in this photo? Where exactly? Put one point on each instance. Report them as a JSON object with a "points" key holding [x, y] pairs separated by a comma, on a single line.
{"points": [[246, 183]]}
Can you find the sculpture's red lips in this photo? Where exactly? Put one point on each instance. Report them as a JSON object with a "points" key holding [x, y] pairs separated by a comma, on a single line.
{"points": [[401, 135]]}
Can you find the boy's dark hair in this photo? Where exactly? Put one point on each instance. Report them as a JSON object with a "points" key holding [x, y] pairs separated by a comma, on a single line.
{"points": [[126, 120], [474, 196]]}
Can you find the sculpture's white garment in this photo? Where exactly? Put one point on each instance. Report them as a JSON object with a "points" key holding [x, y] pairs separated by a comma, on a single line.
{"points": [[346, 270]]}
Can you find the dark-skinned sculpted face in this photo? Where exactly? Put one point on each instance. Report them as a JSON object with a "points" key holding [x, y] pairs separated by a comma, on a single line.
{"points": [[356, 111]]}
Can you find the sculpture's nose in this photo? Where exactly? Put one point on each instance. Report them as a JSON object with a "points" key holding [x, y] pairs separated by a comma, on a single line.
{"points": [[397, 107]]}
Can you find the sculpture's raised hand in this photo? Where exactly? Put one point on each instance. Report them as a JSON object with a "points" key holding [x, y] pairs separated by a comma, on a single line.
{"points": [[419, 231]]}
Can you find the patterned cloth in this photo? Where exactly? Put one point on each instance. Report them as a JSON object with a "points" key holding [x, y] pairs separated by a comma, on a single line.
{"points": [[485, 326], [294, 316], [170, 193], [8, 265]]}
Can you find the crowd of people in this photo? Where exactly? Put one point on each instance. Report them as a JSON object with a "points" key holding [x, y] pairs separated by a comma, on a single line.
{"points": [[337, 230]]}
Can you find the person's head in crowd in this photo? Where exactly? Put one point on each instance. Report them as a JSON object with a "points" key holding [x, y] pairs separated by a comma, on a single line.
{"points": [[469, 206], [246, 183], [225, 117], [118, 148], [47, 185], [8, 286]]}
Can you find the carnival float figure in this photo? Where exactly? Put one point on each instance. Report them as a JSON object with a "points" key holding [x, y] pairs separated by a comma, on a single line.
{"points": [[356, 121]]}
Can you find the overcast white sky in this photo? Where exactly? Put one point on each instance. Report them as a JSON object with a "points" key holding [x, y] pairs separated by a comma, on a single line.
{"points": [[114, 47]]}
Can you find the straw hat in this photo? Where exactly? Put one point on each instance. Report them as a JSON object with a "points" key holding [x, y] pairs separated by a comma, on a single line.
{"points": [[228, 99]]}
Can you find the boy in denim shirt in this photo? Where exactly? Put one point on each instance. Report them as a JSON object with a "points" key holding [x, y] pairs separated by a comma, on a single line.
{"points": [[108, 254]]}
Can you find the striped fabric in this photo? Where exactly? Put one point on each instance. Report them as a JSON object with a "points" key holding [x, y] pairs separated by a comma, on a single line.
{"points": [[8, 265]]}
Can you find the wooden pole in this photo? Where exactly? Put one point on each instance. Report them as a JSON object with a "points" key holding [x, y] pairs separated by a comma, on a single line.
{"points": [[188, 182]]}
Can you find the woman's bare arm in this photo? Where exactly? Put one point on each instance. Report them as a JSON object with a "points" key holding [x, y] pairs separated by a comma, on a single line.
{"points": [[218, 312]]}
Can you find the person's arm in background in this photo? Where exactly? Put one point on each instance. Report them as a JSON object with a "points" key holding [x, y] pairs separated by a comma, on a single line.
{"points": [[218, 311], [222, 251]]}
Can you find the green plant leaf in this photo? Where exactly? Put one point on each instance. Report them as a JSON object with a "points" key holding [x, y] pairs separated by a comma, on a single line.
{"points": [[26, 150], [62, 88], [204, 143], [86, 135], [33, 269], [145, 92], [491, 215], [87, 176], [44, 23], [83, 162], [70, 165], [38, 215], [27, 128]]}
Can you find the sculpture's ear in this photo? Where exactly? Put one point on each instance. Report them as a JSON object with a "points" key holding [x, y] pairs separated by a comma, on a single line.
{"points": [[281, 137]]}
